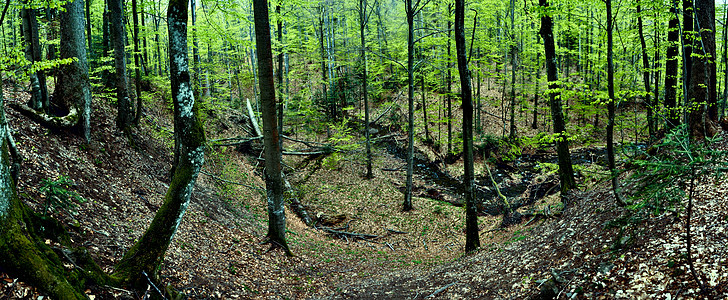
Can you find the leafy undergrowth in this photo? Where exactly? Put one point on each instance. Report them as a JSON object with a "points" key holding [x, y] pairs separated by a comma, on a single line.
{"points": [[216, 252]]}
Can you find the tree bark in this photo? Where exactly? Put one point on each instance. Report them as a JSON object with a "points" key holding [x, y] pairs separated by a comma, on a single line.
{"points": [[514, 50], [363, 18], [147, 254], [610, 106], [73, 87], [88, 27], [137, 63], [39, 96], [410, 11], [702, 94], [472, 238], [124, 116], [646, 75], [671, 66], [273, 179], [566, 171]]}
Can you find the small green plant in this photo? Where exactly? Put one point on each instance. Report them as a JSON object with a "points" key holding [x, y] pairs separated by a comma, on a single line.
{"points": [[57, 193]]}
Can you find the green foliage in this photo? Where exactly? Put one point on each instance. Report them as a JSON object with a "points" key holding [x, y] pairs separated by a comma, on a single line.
{"points": [[663, 180], [58, 194]]}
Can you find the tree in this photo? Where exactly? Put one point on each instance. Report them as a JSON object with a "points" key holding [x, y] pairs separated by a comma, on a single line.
{"points": [[124, 117], [39, 95], [137, 63], [702, 96], [472, 238], [147, 254], [273, 180], [363, 20], [651, 125], [566, 171], [610, 105], [671, 67], [72, 88]]}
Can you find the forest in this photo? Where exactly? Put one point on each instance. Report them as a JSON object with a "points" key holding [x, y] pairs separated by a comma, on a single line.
{"points": [[363, 149]]}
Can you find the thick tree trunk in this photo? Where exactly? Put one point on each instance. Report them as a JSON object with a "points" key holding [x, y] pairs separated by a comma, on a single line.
{"points": [[566, 171], [273, 179], [702, 94], [147, 254], [124, 117], [671, 65], [73, 80], [610, 106], [22, 256], [472, 238]]}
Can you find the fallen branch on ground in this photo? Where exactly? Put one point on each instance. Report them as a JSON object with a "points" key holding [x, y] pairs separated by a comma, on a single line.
{"points": [[440, 290], [346, 234]]}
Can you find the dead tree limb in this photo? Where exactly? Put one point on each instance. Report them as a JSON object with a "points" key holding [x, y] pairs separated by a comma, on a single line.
{"points": [[440, 290], [295, 203], [251, 115], [67, 121]]}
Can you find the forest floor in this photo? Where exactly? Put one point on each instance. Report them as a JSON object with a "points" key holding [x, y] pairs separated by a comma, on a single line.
{"points": [[217, 251]]}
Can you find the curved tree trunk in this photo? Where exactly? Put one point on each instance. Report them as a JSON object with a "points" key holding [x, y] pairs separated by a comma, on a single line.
{"points": [[147, 254], [21, 255], [472, 238], [273, 179], [73, 90]]}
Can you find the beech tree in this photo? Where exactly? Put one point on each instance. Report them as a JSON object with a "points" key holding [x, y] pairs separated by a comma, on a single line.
{"points": [[273, 180], [472, 237], [566, 171], [611, 105], [72, 88], [124, 117], [148, 252]]}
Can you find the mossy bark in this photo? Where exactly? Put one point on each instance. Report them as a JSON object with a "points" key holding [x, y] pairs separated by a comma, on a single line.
{"points": [[20, 253], [147, 254]]}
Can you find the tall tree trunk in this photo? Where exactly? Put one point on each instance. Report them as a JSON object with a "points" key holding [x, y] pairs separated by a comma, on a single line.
{"points": [[566, 171], [688, 38], [702, 91], [279, 74], [472, 238], [448, 80], [534, 124], [73, 88], [147, 254], [646, 75], [88, 28], [273, 180], [145, 60], [33, 53], [671, 66], [721, 115], [106, 77], [124, 117], [137, 63], [610, 106], [410, 10], [363, 18], [513, 50], [196, 83]]}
